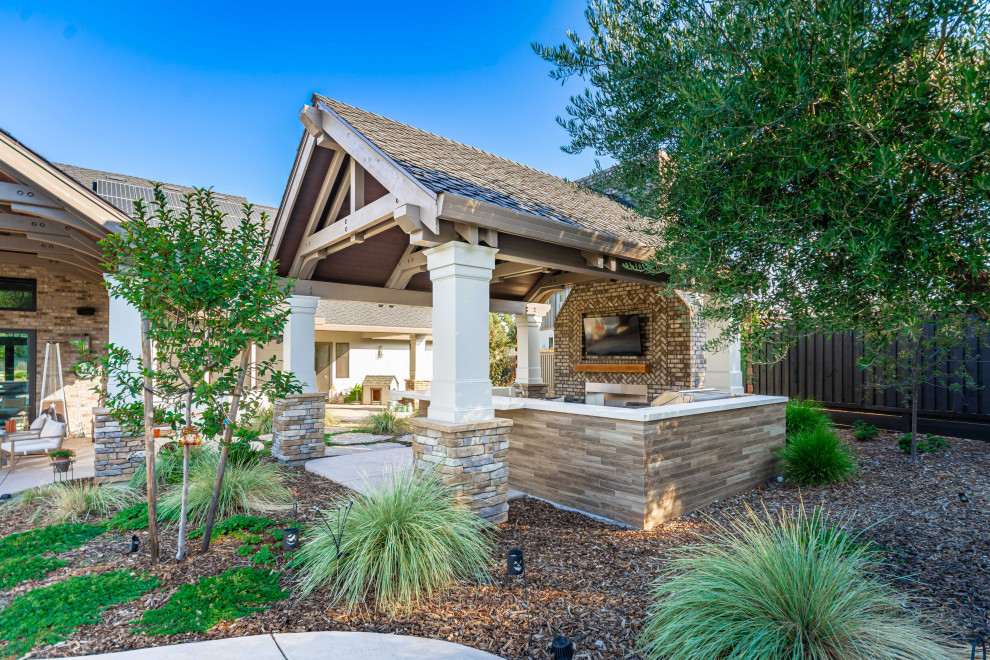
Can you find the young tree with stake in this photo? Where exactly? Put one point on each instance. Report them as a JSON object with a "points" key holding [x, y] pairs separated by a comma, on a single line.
{"points": [[207, 293]]}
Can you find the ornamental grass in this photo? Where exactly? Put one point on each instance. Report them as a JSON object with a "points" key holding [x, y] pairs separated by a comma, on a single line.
{"points": [[816, 457], [789, 587], [256, 487], [403, 541], [806, 415], [74, 501]]}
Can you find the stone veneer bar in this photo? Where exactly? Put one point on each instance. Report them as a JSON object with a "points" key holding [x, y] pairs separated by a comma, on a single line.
{"points": [[297, 428]]}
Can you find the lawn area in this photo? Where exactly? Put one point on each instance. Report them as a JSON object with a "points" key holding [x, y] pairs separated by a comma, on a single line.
{"points": [[584, 578]]}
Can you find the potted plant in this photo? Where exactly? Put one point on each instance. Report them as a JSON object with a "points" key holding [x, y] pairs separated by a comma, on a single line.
{"points": [[61, 458]]}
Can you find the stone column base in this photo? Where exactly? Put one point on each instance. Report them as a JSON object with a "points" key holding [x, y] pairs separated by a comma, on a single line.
{"points": [[534, 390], [471, 457], [118, 454], [297, 430]]}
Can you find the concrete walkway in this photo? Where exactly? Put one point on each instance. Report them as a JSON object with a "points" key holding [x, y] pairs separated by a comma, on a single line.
{"points": [[305, 646], [361, 467]]}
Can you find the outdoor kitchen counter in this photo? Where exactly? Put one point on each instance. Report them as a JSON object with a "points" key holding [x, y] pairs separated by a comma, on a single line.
{"points": [[648, 414], [638, 466]]}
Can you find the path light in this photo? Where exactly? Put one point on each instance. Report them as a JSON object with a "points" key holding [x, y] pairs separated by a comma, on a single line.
{"points": [[135, 543], [514, 562], [5, 497], [290, 541], [562, 648]]}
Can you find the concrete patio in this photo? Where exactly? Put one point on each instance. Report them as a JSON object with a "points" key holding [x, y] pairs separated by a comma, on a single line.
{"points": [[33, 471]]}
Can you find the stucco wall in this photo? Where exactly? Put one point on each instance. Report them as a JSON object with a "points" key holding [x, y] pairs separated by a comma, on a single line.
{"points": [[672, 346], [364, 359], [59, 295]]}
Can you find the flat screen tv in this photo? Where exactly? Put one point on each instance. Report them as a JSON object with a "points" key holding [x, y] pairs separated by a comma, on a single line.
{"points": [[612, 335]]}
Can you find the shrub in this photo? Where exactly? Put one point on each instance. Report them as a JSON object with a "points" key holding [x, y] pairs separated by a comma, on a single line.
{"points": [[168, 467], [778, 589], [73, 501], [17, 569], [224, 597], [806, 415], [386, 422], [927, 443], [133, 517], [404, 540], [355, 394], [263, 421], [864, 431], [50, 614], [816, 457], [258, 487], [54, 539]]}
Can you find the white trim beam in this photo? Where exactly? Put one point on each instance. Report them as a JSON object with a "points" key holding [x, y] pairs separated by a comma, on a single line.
{"points": [[15, 193], [410, 263], [49, 262]]}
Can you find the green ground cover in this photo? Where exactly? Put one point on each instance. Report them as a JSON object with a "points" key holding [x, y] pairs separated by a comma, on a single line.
{"points": [[50, 614], [15, 570]]}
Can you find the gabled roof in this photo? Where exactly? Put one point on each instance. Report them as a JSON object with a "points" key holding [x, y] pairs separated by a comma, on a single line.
{"points": [[123, 190], [445, 166]]}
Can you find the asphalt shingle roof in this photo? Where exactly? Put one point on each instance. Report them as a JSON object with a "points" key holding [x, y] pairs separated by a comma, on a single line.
{"points": [[123, 190], [443, 165], [339, 312]]}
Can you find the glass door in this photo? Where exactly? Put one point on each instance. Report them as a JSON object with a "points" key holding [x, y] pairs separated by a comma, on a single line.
{"points": [[17, 366]]}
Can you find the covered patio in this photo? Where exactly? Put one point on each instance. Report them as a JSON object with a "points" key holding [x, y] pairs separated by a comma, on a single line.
{"points": [[377, 211]]}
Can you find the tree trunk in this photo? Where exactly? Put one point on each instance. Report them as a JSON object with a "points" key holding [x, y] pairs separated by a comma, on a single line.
{"points": [[149, 443], [228, 434], [914, 425], [181, 553]]}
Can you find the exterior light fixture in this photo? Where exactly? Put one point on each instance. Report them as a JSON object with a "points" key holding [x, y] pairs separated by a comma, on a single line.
{"points": [[290, 538], [135, 543], [561, 648], [514, 562]]}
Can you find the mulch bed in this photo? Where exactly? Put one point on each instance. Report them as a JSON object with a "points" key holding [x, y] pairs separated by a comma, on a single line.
{"points": [[591, 580]]}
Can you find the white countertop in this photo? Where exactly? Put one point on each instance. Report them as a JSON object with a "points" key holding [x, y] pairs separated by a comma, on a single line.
{"points": [[613, 412]]}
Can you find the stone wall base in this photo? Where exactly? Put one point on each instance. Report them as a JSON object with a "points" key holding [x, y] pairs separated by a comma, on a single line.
{"points": [[470, 457], [297, 430], [118, 454]]}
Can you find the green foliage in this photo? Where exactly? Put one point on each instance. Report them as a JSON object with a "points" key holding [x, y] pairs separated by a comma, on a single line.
{"points": [[263, 420], [74, 501], [133, 517], [50, 614], [817, 457], [355, 394], [501, 339], [255, 488], [779, 589], [386, 422], [806, 415], [253, 524], [405, 540], [929, 443], [240, 453], [865, 431], [264, 557], [225, 597], [827, 163], [53, 539], [17, 569], [168, 467]]}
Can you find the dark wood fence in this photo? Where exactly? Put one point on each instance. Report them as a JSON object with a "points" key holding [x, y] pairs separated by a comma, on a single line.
{"points": [[827, 368]]}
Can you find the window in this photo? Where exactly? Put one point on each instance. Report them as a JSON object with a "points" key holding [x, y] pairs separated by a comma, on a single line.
{"points": [[343, 360], [18, 294]]}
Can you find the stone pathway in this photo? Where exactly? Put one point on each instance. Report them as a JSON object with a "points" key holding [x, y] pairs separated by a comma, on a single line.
{"points": [[364, 467], [354, 438], [303, 646]]}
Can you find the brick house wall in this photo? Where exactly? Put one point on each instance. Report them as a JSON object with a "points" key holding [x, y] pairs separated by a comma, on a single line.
{"points": [[672, 340], [56, 320]]}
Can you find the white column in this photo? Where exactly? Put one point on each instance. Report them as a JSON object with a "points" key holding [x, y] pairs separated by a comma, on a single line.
{"points": [[528, 371], [419, 360], [723, 369], [124, 332], [299, 345], [460, 390]]}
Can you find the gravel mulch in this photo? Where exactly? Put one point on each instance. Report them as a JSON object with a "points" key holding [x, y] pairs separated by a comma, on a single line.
{"points": [[591, 580]]}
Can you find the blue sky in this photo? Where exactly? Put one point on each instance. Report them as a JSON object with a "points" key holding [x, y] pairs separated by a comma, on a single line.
{"points": [[208, 94]]}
